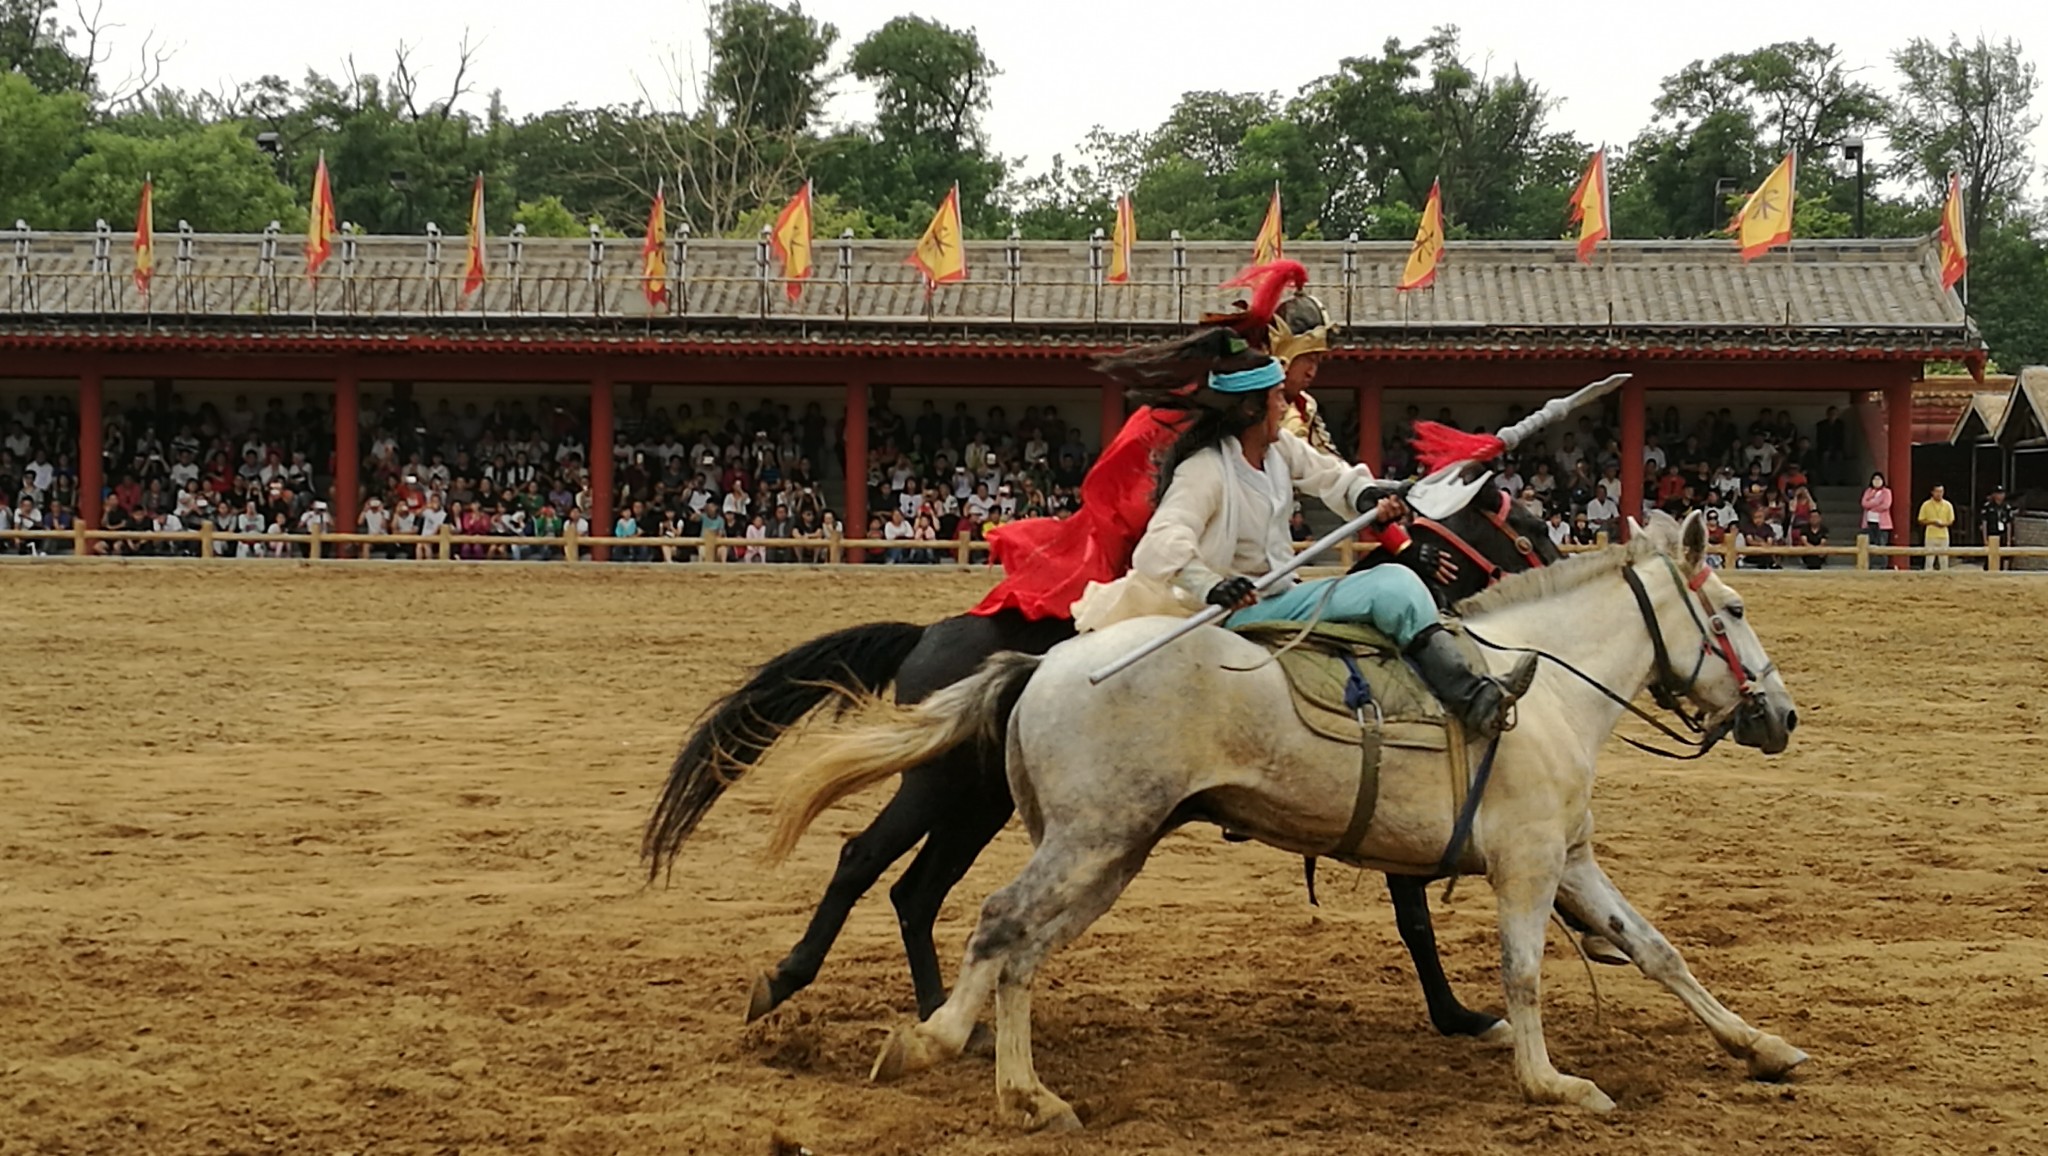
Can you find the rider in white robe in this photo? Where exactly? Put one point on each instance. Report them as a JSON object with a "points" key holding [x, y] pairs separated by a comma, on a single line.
{"points": [[1222, 521]]}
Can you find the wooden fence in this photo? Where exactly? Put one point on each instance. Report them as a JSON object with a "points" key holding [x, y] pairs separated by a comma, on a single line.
{"points": [[831, 551]]}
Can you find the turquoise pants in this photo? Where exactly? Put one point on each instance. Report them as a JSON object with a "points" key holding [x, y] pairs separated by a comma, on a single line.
{"points": [[1389, 598]]}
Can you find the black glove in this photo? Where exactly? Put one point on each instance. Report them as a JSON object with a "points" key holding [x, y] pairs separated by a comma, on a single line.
{"points": [[1374, 494], [1230, 591], [1424, 558]]}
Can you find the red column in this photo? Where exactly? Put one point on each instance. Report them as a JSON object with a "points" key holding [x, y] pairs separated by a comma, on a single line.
{"points": [[1634, 405], [856, 462], [1112, 413], [1898, 471], [92, 453], [1371, 406], [348, 454], [601, 430]]}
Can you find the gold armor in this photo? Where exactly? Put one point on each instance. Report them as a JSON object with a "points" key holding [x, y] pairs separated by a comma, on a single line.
{"points": [[1302, 326]]}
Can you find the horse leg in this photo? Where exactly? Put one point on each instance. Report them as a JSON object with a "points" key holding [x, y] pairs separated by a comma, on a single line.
{"points": [[1068, 884], [1411, 916], [1525, 880], [862, 860], [980, 806], [1587, 890]]}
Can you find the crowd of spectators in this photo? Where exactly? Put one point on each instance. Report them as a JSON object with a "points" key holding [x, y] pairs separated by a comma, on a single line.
{"points": [[1755, 481], [516, 471]]}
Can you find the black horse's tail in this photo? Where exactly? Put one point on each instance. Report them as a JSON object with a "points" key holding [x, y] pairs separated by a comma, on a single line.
{"points": [[735, 731]]}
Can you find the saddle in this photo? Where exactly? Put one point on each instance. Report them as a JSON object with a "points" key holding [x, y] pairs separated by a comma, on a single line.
{"points": [[1349, 684]]}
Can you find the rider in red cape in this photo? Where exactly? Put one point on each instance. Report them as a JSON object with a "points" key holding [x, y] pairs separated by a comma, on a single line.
{"points": [[1048, 562]]}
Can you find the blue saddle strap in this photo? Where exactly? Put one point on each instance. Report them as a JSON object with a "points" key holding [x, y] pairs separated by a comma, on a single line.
{"points": [[1357, 691]]}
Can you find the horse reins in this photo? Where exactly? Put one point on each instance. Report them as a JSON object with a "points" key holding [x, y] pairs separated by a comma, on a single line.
{"points": [[1668, 685]]}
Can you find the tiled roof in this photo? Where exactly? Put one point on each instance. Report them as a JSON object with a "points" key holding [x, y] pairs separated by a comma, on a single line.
{"points": [[1517, 298], [2026, 410]]}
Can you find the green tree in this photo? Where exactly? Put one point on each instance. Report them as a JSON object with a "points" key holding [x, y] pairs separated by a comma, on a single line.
{"points": [[1966, 108], [931, 88], [211, 175], [34, 46], [2008, 289], [40, 135]]}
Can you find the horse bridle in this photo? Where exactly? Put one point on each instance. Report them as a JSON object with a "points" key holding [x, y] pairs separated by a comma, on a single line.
{"points": [[1668, 687], [1499, 517]]}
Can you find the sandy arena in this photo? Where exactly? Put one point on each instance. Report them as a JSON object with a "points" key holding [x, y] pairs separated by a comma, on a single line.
{"points": [[344, 860]]}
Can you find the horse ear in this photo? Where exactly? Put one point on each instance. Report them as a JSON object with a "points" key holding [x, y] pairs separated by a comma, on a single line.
{"points": [[1635, 529], [1693, 538]]}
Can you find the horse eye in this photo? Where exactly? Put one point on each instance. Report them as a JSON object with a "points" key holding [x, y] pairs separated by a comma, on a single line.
{"points": [[1735, 608]]}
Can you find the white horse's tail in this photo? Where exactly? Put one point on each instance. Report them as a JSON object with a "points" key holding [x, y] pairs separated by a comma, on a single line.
{"points": [[973, 710]]}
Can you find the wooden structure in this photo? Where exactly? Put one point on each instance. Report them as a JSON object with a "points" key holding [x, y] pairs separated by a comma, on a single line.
{"points": [[1853, 320]]}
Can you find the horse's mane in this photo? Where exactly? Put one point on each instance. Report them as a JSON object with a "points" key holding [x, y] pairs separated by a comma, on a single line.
{"points": [[1568, 575]]}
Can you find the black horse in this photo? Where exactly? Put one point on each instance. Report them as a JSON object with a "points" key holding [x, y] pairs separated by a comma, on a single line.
{"points": [[957, 804]]}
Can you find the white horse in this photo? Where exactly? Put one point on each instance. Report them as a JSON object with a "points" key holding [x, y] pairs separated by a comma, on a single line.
{"points": [[1203, 730]]}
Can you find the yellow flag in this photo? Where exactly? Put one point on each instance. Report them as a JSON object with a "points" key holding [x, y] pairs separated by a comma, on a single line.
{"points": [[320, 224], [1120, 240], [1428, 252], [654, 251], [1589, 206], [791, 239], [1765, 220], [1955, 248], [1270, 243], [473, 263], [941, 253], [145, 237]]}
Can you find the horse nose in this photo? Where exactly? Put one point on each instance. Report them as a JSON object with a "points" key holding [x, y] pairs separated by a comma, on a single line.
{"points": [[1791, 721]]}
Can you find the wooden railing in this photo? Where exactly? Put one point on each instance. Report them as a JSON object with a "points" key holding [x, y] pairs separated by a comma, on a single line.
{"points": [[832, 551]]}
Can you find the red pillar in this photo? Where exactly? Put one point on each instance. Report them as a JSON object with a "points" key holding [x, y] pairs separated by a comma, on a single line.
{"points": [[601, 430], [1898, 471], [348, 454], [1371, 405], [1634, 404], [91, 452], [856, 462], [1112, 413]]}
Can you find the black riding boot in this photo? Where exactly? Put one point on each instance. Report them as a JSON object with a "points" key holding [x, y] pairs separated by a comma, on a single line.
{"points": [[1479, 700]]}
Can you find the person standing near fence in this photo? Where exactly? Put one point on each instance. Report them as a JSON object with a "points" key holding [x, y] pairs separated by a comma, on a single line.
{"points": [[1877, 511], [1994, 520], [1936, 515]]}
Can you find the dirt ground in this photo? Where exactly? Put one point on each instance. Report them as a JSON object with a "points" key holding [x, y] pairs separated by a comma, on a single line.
{"points": [[343, 860]]}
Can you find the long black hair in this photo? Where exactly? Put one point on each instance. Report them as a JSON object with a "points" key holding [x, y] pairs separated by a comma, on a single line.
{"points": [[1172, 377]]}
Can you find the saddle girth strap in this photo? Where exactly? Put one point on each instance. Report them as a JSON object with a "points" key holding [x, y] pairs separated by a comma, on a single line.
{"points": [[1358, 696]]}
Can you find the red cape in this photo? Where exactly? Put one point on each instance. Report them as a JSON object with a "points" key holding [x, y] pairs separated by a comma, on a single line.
{"points": [[1048, 562]]}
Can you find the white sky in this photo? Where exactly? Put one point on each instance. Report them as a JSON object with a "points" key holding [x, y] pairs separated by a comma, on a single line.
{"points": [[1068, 65]]}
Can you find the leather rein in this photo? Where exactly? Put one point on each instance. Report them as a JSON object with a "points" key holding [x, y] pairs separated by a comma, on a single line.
{"points": [[1669, 686]]}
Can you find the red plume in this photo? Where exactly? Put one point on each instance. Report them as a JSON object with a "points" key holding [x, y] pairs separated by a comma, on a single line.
{"points": [[1437, 446], [1267, 283]]}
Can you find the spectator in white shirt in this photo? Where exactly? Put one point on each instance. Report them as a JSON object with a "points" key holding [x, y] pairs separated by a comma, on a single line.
{"points": [[1602, 510]]}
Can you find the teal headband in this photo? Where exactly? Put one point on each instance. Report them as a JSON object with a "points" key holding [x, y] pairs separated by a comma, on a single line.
{"points": [[1248, 380]]}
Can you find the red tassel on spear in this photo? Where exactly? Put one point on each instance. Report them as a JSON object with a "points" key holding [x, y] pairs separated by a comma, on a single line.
{"points": [[1437, 446]]}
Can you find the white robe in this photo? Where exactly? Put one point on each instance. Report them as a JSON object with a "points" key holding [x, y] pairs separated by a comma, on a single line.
{"points": [[1219, 518]]}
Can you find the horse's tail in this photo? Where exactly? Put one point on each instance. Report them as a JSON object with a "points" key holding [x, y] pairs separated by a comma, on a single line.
{"points": [[735, 731], [972, 710]]}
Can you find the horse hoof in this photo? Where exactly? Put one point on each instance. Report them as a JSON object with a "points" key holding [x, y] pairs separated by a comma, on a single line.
{"points": [[762, 1000], [1500, 1035], [1584, 1094], [1771, 1058], [1600, 949], [1044, 1112], [981, 1042], [905, 1053]]}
